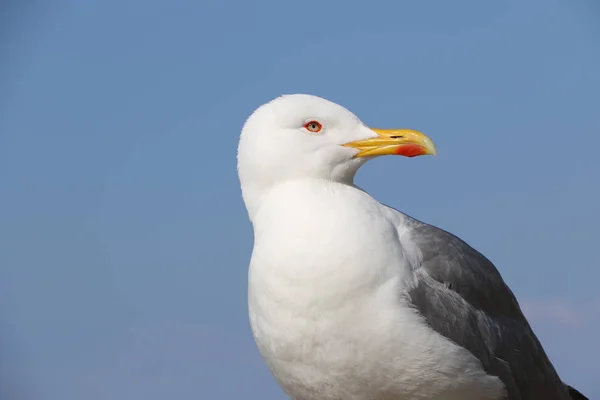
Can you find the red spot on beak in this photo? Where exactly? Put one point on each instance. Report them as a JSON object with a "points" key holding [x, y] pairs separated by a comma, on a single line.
{"points": [[410, 150]]}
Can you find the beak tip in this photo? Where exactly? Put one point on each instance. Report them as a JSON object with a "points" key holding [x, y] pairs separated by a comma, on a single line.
{"points": [[431, 147]]}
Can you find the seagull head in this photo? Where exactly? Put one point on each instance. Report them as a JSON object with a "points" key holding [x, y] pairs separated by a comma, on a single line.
{"points": [[302, 136]]}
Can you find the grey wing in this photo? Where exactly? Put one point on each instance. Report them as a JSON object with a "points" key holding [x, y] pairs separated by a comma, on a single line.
{"points": [[463, 297]]}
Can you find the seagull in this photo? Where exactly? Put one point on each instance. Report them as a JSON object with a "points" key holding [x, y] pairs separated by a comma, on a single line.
{"points": [[350, 299]]}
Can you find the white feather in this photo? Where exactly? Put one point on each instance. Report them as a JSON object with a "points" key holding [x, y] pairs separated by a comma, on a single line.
{"points": [[330, 269]]}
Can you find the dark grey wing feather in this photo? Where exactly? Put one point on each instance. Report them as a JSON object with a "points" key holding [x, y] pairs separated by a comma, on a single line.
{"points": [[463, 297], [576, 395]]}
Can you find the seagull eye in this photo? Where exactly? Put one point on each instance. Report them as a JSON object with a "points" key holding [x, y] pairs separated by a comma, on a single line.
{"points": [[313, 126]]}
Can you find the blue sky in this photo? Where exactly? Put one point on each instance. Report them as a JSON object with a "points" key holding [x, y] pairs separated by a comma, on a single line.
{"points": [[124, 242]]}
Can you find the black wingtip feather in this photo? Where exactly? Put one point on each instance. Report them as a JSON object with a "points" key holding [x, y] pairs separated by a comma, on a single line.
{"points": [[575, 394]]}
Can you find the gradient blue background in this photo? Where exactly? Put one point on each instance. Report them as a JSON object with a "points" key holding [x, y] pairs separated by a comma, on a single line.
{"points": [[124, 242]]}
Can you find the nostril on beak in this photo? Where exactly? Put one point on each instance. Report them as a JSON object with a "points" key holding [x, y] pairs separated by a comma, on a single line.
{"points": [[396, 137]]}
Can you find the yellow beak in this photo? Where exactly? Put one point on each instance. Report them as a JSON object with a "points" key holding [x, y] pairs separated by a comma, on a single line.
{"points": [[401, 142]]}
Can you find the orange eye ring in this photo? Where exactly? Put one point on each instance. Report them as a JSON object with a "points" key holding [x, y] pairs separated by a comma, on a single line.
{"points": [[313, 126]]}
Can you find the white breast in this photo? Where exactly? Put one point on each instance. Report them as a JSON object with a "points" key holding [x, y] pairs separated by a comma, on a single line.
{"points": [[327, 307]]}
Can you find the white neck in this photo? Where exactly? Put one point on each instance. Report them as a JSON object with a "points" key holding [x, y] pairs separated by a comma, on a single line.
{"points": [[254, 190]]}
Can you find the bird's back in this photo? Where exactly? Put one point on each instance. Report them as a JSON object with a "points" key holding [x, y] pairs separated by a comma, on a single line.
{"points": [[463, 297]]}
